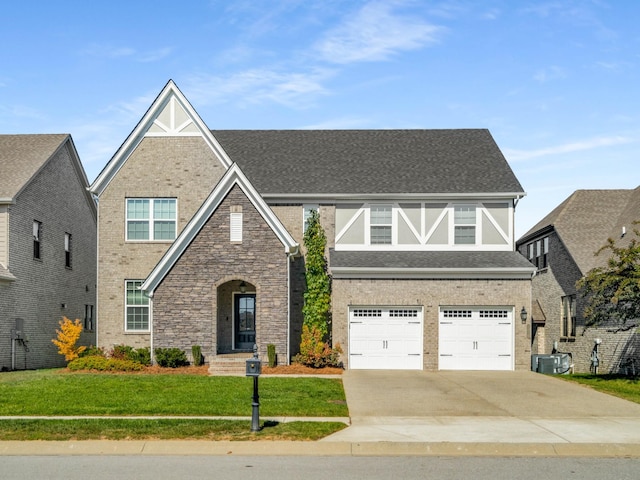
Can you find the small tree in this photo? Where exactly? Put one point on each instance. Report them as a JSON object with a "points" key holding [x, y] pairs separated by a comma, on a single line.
{"points": [[68, 335], [613, 292]]}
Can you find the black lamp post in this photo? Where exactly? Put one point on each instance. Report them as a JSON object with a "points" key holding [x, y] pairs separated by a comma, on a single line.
{"points": [[254, 368]]}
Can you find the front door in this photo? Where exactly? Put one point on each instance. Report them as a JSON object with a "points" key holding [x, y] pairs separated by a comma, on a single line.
{"points": [[244, 314]]}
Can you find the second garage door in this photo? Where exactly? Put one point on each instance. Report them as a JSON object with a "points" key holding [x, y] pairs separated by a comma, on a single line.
{"points": [[385, 338], [476, 338]]}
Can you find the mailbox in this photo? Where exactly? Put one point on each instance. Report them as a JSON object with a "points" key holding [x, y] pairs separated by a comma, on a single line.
{"points": [[254, 367]]}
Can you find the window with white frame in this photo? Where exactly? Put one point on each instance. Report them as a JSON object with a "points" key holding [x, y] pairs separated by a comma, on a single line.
{"points": [[137, 307], [381, 224], [151, 219], [538, 251], [464, 219], [568, 319], [307, 210]]}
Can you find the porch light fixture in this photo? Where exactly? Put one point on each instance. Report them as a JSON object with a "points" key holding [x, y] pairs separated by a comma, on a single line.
{"points": [[243, 287], [523, 315]]}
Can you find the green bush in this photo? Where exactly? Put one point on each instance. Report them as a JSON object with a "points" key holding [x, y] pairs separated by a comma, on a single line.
{"points": [[126, 352], [271, 354], [142, 356], [93, 351], [171, 357], [103, 364], [196, 352]]}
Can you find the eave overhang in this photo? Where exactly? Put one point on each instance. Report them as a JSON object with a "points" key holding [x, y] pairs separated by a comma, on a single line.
{"points": [[433, 273]]}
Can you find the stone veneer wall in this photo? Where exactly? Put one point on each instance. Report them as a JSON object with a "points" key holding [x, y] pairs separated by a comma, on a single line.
{"points": [[431, 294], [187, 305]]}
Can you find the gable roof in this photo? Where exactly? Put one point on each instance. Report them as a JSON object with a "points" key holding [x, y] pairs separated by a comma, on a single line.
{"points": [[344, 163], [22, 157], [586, 219], [232, 177], [170, 114]]}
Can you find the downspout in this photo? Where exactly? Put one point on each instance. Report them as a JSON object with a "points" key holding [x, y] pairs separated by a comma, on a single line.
{"points": [[97, 284], [289, 260]]}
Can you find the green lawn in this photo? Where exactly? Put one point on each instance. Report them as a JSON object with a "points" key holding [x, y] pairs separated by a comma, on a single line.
{"points": [[623, 387], [59, 393]]}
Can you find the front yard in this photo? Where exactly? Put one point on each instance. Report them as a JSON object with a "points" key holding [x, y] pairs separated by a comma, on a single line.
{"points": [[59, 393], [623, 387]]}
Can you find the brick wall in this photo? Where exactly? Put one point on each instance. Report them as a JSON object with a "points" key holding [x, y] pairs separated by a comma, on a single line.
{"points": [[178, 167], [56, 197], [431, 294], [192, 305]]}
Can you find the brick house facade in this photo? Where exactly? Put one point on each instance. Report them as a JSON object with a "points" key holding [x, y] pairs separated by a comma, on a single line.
{"points": [[416, 253], [42, 183]]}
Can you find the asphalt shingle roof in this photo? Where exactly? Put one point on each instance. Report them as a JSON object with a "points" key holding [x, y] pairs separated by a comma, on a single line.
{"points": [[463, 161], [428, 260], [586, 219], [21, 157]]}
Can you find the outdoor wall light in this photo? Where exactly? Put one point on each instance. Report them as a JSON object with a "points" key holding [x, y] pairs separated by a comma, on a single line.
{"points": [[523, 315], [243, 287]]}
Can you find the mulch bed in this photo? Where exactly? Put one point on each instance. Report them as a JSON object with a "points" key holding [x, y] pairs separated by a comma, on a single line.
{"points": [[294, 369]]}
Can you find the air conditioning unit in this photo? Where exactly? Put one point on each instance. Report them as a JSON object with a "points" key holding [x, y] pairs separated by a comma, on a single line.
{"points": [[553, 363]]}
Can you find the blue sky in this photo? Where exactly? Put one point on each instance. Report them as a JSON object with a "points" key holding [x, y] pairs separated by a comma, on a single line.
{"points": [[556, 82]]}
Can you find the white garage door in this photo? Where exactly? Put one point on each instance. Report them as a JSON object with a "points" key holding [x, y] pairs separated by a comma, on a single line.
{"points": [[385, 338], [476, 338]]}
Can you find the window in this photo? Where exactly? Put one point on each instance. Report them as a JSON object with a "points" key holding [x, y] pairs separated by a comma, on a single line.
{"points": [[236, 227], [67, 250], [537, 252], [568, 320], [381, 224], [307, 210], [151, 219], [37, 238], [137, 307], [88, 318], [464, 218]]}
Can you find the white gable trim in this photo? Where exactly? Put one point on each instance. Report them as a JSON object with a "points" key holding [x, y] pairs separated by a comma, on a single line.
{"points": [[233, 176], [169, 96]]}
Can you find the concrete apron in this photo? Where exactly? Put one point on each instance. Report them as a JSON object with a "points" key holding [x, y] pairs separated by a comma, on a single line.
{"points": [[482, 407]]}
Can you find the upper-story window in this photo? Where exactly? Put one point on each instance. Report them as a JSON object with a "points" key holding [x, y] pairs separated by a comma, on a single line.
{"points": [[464, 218], [537, 252], [151, 219], [37, 239], [67, 250], [381, 224]]}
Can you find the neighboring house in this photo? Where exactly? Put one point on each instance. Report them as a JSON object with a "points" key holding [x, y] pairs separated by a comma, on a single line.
{"points": [[200, 242], [562, 246], [47, 248]]}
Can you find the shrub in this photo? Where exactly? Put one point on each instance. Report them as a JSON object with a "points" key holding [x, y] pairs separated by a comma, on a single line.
{"points": [[196, 352], [126, 352], [271, 354], [171, 357], [93, 351], [68, 335], [103, 364], [316, 353]]}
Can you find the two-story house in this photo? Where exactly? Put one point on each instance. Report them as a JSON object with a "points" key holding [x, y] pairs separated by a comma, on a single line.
{"points": [[562, 246], [200, 235], [47, 248]]}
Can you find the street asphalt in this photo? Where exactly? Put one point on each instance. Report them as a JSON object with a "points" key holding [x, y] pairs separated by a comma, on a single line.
{"points": [[430, 413]]}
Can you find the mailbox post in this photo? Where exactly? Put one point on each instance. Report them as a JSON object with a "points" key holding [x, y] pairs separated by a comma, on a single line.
{"points": [[254, 368]]}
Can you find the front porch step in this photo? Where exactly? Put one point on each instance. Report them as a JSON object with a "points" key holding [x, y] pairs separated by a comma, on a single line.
{"points": [[231, 365]]}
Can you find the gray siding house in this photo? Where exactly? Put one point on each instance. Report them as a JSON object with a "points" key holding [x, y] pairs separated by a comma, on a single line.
{"points": [[200, 242], [562, 246], [47, 248]]}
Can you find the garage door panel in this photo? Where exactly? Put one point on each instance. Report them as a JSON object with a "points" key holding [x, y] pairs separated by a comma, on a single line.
{"points": [[385, 338], [476, 338]]}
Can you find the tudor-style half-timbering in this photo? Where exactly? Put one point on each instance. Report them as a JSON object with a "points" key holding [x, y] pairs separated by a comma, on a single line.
{"points": [[464, 225]]}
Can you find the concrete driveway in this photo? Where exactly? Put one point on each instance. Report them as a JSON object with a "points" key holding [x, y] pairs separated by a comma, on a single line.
{"points": [[496, 407]]}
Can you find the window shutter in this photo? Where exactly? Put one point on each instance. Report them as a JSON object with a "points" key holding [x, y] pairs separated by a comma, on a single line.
{"points": [[236, 227]]}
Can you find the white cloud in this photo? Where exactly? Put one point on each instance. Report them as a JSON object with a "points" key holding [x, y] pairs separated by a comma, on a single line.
{"points": [[376, 33], [589, 144], [259, 85]]}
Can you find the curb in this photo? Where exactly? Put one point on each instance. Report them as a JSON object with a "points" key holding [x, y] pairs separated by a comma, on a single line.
{"points": [[284, 448]]}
